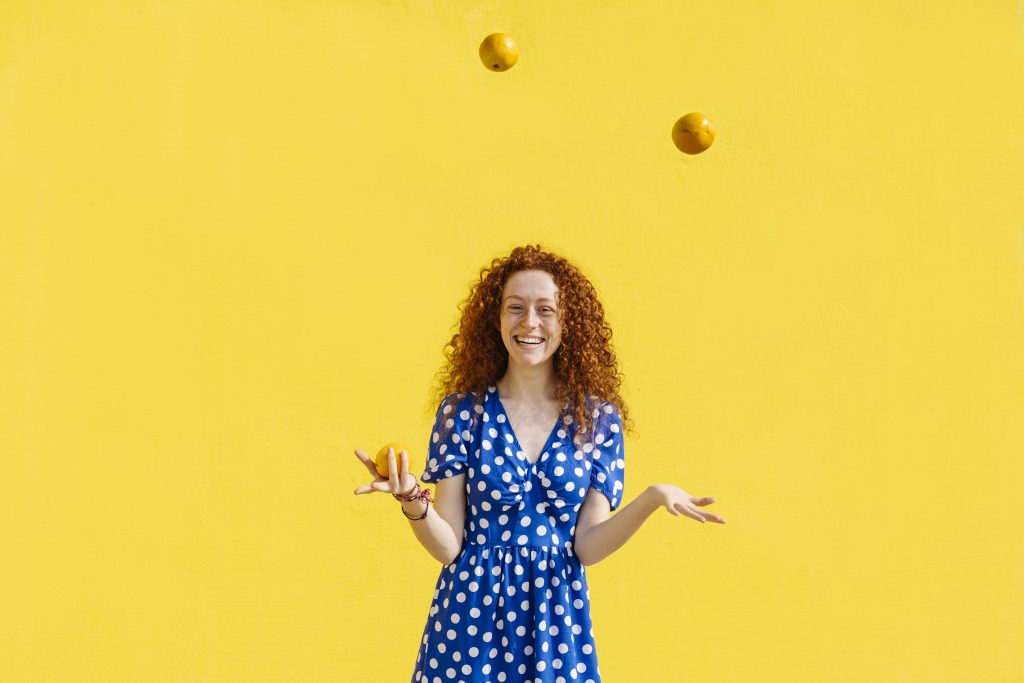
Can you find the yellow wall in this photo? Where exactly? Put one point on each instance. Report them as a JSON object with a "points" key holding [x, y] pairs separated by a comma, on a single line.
{"points": [[233, 236]]}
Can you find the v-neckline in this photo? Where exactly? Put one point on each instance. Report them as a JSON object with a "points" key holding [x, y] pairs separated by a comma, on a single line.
{"points": [[515, 437]]}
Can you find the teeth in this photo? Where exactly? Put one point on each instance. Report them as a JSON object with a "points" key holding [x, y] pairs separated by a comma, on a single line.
{"points": [[529, 340]]}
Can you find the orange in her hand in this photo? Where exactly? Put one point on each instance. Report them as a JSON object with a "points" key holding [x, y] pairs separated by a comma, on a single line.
{"points": [[381, 461]]}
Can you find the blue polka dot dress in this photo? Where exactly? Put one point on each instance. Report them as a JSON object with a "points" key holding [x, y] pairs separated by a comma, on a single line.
{"points": [[514, 605]]}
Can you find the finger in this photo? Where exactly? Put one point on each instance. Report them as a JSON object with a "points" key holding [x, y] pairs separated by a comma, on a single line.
{"points": [[405, 473], [369, 463], [393, 479], [689, 512], [709, 516], [371, 487], [707, 500]]}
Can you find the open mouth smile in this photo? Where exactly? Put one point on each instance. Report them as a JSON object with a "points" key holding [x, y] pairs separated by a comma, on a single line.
{"points": [[528, 342]]}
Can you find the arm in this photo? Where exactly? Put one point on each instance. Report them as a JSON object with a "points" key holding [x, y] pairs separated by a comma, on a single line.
{"points": [[441, 531], [598, 535]]}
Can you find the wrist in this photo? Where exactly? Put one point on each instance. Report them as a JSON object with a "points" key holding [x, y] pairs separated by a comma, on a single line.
{"points": [[653, 498], [418, 498], [408, 492], [407, 489]]}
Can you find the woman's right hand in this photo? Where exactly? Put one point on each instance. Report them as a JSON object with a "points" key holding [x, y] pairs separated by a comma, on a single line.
{"points": [[400, 481]]}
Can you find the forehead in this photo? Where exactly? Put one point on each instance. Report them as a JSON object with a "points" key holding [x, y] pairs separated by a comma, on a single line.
{"points": [[530, 285]]}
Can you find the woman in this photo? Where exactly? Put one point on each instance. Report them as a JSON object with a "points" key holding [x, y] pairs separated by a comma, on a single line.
{"points": [[528, 459]]}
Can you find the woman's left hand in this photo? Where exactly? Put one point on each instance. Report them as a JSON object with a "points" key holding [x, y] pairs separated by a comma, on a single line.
{"points": [[679, 502]]}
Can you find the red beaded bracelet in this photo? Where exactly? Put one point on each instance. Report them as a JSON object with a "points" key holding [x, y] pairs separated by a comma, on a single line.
{"points": [[416, 494]]}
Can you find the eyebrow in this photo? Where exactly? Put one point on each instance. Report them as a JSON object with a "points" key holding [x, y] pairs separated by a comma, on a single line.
{"points": [[516, 296]]}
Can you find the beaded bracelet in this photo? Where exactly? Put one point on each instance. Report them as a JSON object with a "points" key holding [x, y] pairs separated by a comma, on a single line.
{"points": [[416, 494]]}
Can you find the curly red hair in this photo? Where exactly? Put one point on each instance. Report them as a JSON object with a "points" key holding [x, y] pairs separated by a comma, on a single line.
{"points": [[585, 364]]}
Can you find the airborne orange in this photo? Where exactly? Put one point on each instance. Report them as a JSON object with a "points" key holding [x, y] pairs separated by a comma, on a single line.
{"points": [[499, 52], [693, 133]]}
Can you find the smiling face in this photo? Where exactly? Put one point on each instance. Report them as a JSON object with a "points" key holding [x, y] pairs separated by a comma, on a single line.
{"points": [[530, 318]]}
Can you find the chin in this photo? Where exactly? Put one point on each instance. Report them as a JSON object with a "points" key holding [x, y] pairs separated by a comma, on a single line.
{"points": [[533, 361]]}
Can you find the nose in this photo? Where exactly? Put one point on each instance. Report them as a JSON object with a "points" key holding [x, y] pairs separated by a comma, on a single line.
{"points": [[531, 318]]}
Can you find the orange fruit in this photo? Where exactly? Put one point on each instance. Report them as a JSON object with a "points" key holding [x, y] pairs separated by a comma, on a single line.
{"points": [[693, 133], [499, 52], [381, 461]]}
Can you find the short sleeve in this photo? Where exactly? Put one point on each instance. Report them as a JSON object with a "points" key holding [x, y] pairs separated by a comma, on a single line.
{"points": [[449, 440], [608, 474]]}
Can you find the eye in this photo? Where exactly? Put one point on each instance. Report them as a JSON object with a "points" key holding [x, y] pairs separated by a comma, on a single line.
{"points": [[547, 311], [515, 308]]}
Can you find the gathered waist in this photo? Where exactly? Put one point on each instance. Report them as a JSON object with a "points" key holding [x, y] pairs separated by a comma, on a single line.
{"points": [[520, 549]]}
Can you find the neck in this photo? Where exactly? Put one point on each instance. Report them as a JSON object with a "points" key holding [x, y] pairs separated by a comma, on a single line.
{"points": [[530, 383]]}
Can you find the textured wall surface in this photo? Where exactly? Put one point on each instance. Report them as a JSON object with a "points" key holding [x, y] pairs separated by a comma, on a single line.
{"points": [[233, 236]]}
